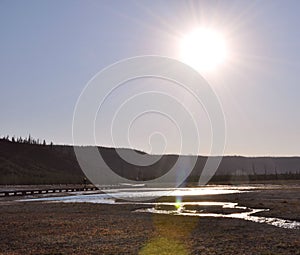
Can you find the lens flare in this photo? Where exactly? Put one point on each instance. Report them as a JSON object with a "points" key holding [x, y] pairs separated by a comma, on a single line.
{"points": [[178, 204]]}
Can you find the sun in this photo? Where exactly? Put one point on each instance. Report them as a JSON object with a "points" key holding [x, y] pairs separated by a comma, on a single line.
{"points": [[203, 49]]}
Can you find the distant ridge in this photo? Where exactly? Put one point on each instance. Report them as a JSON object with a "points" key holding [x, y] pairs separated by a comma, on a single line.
{"points": [[23, 163]]}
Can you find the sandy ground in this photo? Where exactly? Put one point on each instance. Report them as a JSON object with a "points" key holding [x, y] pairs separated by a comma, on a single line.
{"points": [[60, 228]]}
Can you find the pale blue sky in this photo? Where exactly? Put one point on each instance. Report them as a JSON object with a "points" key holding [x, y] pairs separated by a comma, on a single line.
{"points": [[49, 50]]}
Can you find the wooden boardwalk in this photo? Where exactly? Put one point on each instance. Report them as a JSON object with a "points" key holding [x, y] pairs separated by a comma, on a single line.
{"points": [[42, 191]]}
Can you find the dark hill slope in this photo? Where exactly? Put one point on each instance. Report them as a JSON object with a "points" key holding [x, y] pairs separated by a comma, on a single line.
{"points": [[37, 164], [22, 163]]}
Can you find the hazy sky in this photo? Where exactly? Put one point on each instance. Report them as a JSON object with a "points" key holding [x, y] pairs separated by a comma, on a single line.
{"points": [[49, 50]]}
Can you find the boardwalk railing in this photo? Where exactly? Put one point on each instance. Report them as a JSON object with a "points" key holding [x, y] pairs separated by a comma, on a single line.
{"points": [[42, 191]]}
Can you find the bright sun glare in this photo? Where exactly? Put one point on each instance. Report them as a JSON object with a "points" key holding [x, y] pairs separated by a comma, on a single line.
{"points": [[203, 49]]}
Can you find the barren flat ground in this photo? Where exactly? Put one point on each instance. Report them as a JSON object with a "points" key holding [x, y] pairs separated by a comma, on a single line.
{"points": [[85, 228]]}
